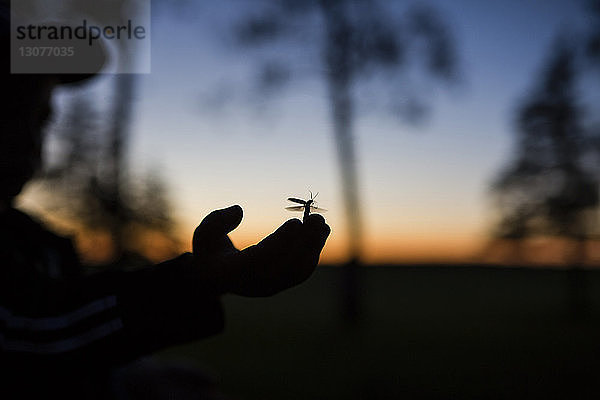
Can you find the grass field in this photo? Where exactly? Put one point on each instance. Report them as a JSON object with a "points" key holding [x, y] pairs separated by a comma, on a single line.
{"points": [[425, 332]]}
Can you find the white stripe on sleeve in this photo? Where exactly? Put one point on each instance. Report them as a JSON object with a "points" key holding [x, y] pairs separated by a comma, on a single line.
{"points": [[61, 321], [60, 346]]}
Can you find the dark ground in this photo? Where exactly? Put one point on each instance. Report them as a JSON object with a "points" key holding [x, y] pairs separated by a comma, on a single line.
{"points": [[426, 332]]}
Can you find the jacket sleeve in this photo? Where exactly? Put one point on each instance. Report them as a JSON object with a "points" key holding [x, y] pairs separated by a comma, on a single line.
{"points": [[106, 318]]}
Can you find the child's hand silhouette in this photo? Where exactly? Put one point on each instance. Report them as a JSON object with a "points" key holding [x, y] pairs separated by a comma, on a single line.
{"points": [[283, 259]]}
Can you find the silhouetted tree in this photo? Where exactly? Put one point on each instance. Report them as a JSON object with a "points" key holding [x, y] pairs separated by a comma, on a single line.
{"points": [[551, 186], [92, 170], [80, 183], [593, 38], [116, 11], [548, 187], [359, 40]]}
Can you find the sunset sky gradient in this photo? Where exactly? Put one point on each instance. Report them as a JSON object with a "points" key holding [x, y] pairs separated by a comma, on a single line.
{"points": [[424, 188]]}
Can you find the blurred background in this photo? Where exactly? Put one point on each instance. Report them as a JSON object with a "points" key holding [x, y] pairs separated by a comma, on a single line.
{"points": [[455, 145]]}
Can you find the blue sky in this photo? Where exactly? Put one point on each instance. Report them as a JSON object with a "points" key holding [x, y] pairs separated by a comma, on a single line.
{"points": [[424, 188]]}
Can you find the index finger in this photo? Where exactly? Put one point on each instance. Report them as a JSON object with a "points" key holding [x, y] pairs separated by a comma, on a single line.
{"points": [[316, 231]]}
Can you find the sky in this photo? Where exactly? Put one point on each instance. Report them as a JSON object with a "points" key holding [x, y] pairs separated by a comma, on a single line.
{"points": [[424, 188]]}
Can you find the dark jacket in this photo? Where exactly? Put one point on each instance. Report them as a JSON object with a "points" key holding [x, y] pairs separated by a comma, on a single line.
{"points": [[61, 331]]}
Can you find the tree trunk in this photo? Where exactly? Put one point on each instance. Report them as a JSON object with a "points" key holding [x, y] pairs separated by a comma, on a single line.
{"points": [[340, 78], [124, 89], [578, 291]]}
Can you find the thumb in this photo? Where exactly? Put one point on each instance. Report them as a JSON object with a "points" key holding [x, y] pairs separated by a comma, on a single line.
{"points": [[217, 225]]}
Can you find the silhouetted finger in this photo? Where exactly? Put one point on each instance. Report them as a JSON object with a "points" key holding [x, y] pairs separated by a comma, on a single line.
{"points": [[219, 222], [289, 232], [272, 248], [316, 231], [290, 227], [315, 220], [214, 228], [314, 234]]}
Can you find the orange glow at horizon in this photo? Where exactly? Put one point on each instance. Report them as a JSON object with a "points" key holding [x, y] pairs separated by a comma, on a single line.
{"points": [[380, 249], [436, 246]]}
